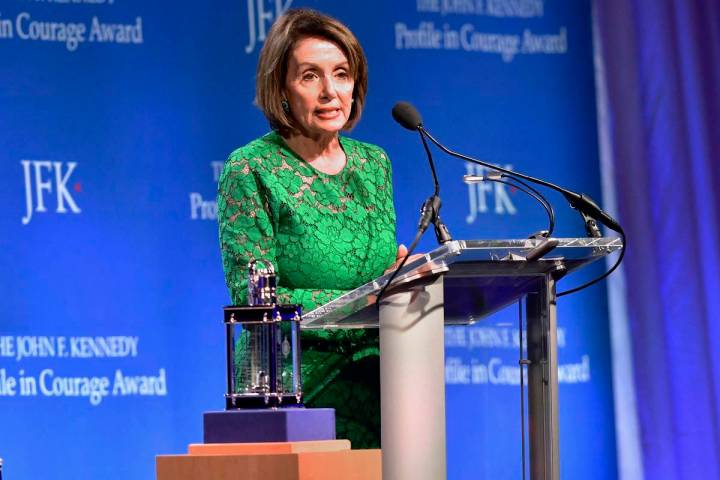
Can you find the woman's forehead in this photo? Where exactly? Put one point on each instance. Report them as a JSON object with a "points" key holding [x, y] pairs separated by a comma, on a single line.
{"points": [[316, 50]]}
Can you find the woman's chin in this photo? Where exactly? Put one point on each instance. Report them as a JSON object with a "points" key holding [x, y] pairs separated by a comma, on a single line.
{"points": [[327, 128]]}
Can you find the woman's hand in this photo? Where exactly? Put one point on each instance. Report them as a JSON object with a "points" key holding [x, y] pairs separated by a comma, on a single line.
{"points": [[402, 252]]}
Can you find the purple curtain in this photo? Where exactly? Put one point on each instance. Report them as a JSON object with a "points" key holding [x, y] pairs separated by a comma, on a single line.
{"points": [[662, 78]]}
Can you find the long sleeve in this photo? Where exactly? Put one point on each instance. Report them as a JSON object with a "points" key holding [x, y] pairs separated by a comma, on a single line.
{"points": [[247, 231]]}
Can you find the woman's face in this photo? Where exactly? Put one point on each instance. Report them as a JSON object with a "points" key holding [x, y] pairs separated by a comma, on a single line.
{"points": [[319, 87]]}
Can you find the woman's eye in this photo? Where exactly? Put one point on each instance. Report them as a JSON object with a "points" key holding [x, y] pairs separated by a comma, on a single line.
{"points": [[309, 76], [342, 74]]}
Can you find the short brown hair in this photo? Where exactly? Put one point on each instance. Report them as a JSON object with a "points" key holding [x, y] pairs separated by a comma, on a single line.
{"points": [[272, 67]]}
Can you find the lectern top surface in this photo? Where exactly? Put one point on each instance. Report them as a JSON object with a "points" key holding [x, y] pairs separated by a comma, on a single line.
{"points": [[481, 276]]}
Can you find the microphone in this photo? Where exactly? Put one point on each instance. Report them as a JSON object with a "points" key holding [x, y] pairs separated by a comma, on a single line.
{"points": [[407, 116]]}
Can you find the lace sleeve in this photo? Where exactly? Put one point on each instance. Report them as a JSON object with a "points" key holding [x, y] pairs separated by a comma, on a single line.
{"points": [[247, 231]]}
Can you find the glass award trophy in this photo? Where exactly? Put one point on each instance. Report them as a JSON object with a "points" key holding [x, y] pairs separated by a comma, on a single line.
{"points": [[262, 346]]}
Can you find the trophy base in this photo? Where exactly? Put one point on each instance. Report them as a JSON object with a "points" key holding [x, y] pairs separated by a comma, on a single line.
{"points": [[234, 402], [269, 425]]}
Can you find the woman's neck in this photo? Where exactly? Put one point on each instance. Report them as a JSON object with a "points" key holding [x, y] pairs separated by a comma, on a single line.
{"points": [[322, 153], [312, 148]]}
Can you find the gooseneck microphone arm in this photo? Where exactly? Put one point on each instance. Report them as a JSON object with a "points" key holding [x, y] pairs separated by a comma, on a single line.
{"points": [[523, 187], [432, 164], [441, 231], [406, 115], [578, 201], [541, 198]]}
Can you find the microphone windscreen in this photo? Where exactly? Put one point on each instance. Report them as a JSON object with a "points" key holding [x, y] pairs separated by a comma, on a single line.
{"points": [[406, 115]]}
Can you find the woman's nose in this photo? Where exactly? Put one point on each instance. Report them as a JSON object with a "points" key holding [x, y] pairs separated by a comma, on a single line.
{"points": [[329, 89]]}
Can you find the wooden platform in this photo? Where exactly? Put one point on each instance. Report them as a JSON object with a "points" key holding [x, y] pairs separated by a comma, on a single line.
{"points": [[315, 460]]}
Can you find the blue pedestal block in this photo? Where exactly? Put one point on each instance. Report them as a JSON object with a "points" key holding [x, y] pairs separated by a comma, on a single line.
{"points": [[267, 425]]}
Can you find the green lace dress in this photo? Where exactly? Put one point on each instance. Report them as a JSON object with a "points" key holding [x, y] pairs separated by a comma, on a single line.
{"points": [[325, 235]]}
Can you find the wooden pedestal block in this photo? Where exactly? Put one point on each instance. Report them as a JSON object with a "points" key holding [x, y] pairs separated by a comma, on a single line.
{"points": [[267, 447], [316, 460]]}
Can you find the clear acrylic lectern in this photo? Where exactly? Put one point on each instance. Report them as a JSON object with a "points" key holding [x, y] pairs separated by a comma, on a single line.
{"points": [[459, 283]]}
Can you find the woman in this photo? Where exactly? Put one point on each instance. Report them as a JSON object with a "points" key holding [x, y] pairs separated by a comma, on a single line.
{"points": [[318, 205]]}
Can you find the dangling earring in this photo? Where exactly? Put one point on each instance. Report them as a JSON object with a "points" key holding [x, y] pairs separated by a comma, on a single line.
{"points": [[285, 105]]}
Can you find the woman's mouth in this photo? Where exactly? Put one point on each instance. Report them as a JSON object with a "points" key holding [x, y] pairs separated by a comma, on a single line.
{"points": [[327, 113]]}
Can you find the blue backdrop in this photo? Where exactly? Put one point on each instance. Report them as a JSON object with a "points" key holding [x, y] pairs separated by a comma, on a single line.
{"points": [[116, 117]]}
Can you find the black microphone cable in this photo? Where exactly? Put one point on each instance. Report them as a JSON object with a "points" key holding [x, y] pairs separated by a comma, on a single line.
{"points": [[604, 275]]}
